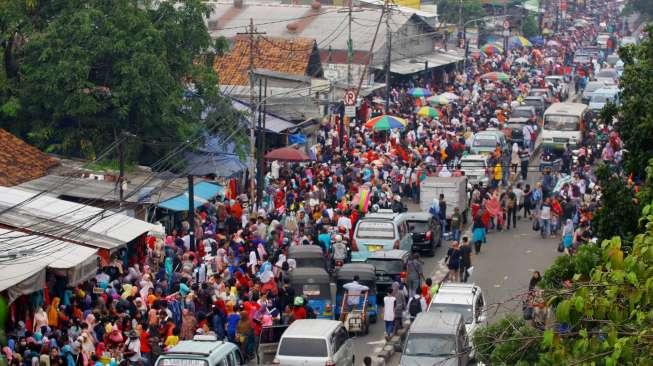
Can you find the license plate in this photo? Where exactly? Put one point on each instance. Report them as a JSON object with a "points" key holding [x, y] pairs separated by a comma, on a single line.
{"points": [[560, 140], [374, 248]]}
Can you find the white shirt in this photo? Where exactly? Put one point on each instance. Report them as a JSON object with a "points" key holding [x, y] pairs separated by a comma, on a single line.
{"points": [[345, 221], [134, 345], [389, 308], [354, 289]]}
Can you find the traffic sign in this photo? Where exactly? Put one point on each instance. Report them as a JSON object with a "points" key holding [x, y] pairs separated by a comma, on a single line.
{"points": [[506, 24], [350, 111], [350, 98]]}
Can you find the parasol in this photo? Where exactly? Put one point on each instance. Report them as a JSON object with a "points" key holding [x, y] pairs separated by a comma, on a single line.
{"points": [[438, 100], [428, 112], [287, 154], [496, 76], [491, 49], [519, 41], [419, 92], [385, 122]]}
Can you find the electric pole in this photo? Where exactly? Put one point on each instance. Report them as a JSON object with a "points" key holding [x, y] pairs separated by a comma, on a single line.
{"points": [[350, 47], [388, 58], [252, 33]]}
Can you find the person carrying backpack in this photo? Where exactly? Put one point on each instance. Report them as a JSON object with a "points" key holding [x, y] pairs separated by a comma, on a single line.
{"points": [[416, 305]]}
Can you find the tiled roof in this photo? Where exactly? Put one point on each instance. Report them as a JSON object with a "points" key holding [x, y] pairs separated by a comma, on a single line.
{"points": [[21, 162], [290, 56]]}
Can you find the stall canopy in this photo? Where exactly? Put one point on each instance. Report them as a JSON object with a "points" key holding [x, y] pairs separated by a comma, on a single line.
{"points": [[419, 63], [25, 257], [65, 220], [202, 192]]}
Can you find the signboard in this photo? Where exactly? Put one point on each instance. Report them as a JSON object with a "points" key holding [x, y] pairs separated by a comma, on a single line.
{"points": [[350, 98], [506, 24], [350, 111]]}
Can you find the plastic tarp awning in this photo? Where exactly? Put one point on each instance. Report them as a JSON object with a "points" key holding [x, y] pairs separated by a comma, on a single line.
{"points": [[419, 63], [25, 257], [202, 192], [65, 220]]}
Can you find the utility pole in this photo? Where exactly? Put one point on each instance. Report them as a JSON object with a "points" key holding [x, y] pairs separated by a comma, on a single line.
{"points": [[191, 212], [350, 47], [260, 164], [252, 33], [121, 168], [388, 58]]}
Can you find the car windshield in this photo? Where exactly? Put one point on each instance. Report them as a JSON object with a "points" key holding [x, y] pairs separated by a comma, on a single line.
{"points": [[593, 86], [561, 123], [599, 98], [472, 164], [533, 102], [462, 309], [430, 345], [373, 229], [484, 142], [418, 226], [388, 266], [522, 113], [181, 362], [303, 347]]}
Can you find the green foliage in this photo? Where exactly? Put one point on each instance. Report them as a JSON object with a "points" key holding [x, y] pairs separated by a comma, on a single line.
{"points": [[529, 26], [449, 10], [507, 342], [636, 126], [91, 69], [566, 267], [618, 214]]}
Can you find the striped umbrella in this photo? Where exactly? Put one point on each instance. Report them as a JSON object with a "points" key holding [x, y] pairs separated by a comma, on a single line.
{"points": [[496, 76], [491, 49], [438, 100], [428, 112], [386, 122], [419, 92]]}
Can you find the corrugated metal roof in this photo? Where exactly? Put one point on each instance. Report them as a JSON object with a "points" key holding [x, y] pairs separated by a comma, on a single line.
{"points": [[68, 220], [415, 64]]}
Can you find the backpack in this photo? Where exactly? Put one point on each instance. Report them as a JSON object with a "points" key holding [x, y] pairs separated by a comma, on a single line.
{"points": [[435, 210], [415, 306]]}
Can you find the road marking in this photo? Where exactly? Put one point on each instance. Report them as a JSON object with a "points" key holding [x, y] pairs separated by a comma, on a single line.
{"points": [[382, 341], [497, 285]]}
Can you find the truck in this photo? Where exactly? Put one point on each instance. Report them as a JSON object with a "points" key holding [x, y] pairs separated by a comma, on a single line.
{"points": [[454, 190]]}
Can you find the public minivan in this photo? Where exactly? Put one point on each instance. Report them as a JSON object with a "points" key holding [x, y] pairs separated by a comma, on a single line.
{"points": [[315, 342], [436, 339], [382, 230], [564, 123], [203, 350]]}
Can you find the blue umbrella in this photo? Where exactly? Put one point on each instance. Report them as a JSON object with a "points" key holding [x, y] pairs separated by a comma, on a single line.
{"points": [[537, 41]]}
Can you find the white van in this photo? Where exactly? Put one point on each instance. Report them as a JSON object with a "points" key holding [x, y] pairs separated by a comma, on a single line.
{"points": [[381, 230], [564, 123], [203, 350], [315, 342]]}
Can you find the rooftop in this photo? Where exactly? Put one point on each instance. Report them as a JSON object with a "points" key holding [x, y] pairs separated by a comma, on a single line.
{"points": [[310, 328], [21, 162], [436, 323]]}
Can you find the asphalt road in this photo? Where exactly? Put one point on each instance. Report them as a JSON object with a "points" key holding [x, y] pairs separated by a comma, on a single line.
{"points": [[502, 270]]}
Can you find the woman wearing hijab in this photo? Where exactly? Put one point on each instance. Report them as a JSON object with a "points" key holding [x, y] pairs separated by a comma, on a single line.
{"points": [[53, 313], [400, 304], [514, 158], [245, 335], [568, 236]]}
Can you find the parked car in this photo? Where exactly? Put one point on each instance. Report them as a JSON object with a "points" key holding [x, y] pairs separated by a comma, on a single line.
{"points": [[436, 339], [465, 299], [486, 141], [538, 102], [608, 73], [202, 350], [602, 96], [476, 168], [315, 342], [425, 231], [382, 230], [543, 92]]}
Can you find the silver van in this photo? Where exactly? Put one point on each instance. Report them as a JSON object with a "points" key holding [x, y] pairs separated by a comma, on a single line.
{"points": [[315, 342], [203, 350], [436, 339]]}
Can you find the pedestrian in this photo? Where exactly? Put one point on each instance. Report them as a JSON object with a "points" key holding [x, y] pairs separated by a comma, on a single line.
{"points": [[514, 159], [367, 361], [497, 175], [545, 218], [535, 279], [568, 236], [478, 234], [400, 303], [455, 224], [511, 208], [389, 303], [465, 259], [453, 261], [442, 214], [414, 273], [416, 304], [524, 157]]}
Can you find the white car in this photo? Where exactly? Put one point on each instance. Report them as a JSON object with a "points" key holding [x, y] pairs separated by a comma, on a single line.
{"points": [[315, 342], [465, 299], [476, 168]]}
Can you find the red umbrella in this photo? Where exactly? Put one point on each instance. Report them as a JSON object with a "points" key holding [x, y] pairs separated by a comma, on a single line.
{"points": [[287, 154]]}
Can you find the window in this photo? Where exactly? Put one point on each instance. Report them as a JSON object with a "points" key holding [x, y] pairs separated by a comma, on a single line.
{"points": [[430, 345], [479, 306], [231, 359], [561, 123], [376, 230], [462, 309], [484, 142], [419, 226], [303, 347]]}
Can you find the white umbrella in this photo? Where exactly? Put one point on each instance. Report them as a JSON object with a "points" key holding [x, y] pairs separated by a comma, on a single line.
{"points": [[450, 96]]}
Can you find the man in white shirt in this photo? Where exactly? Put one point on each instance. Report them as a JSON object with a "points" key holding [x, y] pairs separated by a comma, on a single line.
{"points": [[354, 290], [389, 313]]}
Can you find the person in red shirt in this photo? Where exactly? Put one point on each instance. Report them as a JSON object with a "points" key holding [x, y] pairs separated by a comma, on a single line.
{"points": [[146, 349], [298, 312]]}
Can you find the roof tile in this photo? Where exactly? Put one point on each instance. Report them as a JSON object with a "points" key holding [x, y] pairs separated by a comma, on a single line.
{"points": [[21, 162]]}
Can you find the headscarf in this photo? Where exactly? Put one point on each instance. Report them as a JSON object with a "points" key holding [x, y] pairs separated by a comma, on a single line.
{"points": [[244, 324], [569, 228], [53, 313]]}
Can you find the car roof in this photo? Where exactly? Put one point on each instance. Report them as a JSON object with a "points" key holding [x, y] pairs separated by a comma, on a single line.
{"points": [[436, 323], [532, 97], [310, 328], [608, 91], [418, 216], [301, 251], [389, 254], [309, 274], [529, 107], [476, 156], [456, 294], [489, 132], [200, 348]]}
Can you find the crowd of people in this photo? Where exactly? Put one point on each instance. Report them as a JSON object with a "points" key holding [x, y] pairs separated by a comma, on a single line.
{"points": [[233, 280]]}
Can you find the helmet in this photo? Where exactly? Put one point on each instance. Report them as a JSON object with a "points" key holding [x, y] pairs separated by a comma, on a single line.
{"points": [[299, 301]]}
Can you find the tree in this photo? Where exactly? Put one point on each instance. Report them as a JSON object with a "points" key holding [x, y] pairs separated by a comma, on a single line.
{"points": [[449, 10], [529, 26], [97, 68], [636, 125]]}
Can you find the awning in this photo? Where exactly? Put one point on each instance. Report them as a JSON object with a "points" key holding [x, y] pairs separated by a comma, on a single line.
{"points": [[202, 192], [272, 122], [65, 220], [416, 64], [25, 257]]}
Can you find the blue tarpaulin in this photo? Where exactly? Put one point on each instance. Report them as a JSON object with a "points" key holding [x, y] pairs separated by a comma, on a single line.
{"points": [[202, 192]]}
